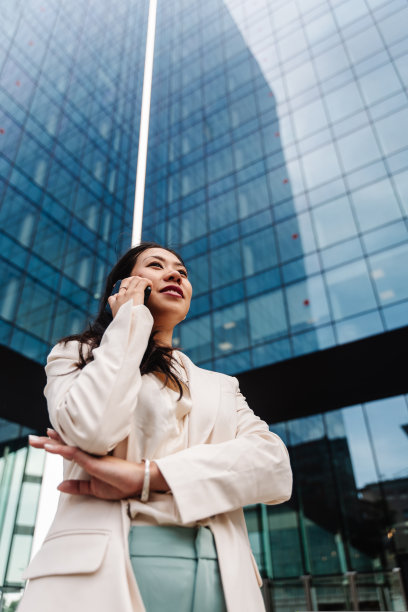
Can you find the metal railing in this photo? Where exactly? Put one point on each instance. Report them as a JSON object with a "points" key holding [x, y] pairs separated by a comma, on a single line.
{"points": [[383, 591]]}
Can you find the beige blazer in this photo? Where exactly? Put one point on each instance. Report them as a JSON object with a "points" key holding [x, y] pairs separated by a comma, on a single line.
{"points": [[232, 460]]}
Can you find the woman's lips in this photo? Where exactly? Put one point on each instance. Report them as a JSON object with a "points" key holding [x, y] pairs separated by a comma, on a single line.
{"points": [[173, 290]]}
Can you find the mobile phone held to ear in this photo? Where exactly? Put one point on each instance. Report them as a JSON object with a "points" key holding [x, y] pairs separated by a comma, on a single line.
{"points": [[147, 293], [116, 288]]}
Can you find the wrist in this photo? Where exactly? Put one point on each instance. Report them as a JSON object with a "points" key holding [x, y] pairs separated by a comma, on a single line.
{"points": [[157, 480]]}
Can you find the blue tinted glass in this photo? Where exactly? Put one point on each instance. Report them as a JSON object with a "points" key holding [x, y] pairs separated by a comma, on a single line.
{"points": [[350, 290], [392, 138], [396, 315], [225, 265], [252, 196], [233, 363], [386, 419], [295, 237], [359, 327], [307, 303], [199, 305], [230, 329], [358, 148], [311, 341], [263, 282], [376, 205], [342, 253], [300, 268], [259, 252], [320, 166], [227, 295], [196, 338], [267, 317], [198, 274], [222, 236], [271, 352], [223, 210], [390, 274], [334, 222]]}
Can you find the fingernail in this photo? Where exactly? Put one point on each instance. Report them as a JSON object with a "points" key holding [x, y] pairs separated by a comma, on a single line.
{"points": [[33, 437]]}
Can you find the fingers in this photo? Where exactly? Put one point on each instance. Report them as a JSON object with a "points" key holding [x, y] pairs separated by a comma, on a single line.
{"points": [[51, 433], [94, 466], [132, 287], [41, 441], [37, 441], [75, 487], [68, 452], [93, 487]]}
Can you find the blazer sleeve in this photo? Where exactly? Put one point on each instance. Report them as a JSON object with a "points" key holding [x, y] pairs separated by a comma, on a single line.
{"points": [[209, 479], [92, 408]]}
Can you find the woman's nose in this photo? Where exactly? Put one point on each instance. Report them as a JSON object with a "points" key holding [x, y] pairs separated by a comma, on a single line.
{"points": [[174, 275]]}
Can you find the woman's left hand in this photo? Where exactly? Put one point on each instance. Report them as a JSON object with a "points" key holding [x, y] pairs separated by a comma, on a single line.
{"points": [[111, 478]]}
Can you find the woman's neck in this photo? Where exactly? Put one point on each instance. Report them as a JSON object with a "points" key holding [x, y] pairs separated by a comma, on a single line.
{"points": [[164, 337]]}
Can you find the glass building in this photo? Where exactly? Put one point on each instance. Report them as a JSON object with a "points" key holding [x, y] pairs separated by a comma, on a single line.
{"points": [[278, 166], [278, 163]]}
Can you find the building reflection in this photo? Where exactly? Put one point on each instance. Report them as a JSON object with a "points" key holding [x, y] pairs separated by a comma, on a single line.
{"points": [[334, 525]]}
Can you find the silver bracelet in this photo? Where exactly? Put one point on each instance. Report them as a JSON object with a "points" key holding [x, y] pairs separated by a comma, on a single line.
{"points": [[146, 482]]}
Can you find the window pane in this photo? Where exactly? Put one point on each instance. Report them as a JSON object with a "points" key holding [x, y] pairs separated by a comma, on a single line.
{"points": [[320, 166], [267, 316], [334, 222], [259, 252], [391, 131], [295, 237], [196, 338], [344, 101], [376, 205], [358, 149], [230, 329], [226, 265], [350, 290], [386, 419], [307, 304], [379, 83], [309, 119], [390, 274]]}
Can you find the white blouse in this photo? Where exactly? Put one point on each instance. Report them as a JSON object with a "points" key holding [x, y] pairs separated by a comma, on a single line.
{"points": [[160, 433]]}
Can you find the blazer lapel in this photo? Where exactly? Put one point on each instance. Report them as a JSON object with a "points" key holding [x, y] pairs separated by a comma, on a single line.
{"points": [[205, 396]]}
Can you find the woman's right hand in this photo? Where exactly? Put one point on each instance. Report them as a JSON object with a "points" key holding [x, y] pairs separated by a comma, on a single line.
{"points": [[132, 287]]}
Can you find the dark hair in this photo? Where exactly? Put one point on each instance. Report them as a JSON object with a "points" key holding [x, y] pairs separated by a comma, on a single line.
{"points": [[156, 358]]}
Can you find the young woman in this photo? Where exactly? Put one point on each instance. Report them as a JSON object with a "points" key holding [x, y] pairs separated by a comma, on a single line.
{"points": [[160, 457]]}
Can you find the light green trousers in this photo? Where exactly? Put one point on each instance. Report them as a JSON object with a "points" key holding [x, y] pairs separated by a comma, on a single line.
{"points": [[176, 568]]}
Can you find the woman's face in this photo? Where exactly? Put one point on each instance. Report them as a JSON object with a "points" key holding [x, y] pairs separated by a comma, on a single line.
{"points": [[171, 289]]}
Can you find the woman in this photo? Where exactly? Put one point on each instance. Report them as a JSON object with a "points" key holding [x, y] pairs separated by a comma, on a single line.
{"points": [[160, 457]]}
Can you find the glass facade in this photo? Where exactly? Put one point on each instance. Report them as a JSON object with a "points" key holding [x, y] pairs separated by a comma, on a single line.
{"points": [[20, 481], [278, 165], [70, 91], [349, 507]]}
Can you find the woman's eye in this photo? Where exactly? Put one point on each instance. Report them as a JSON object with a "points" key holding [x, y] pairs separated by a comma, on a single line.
{"points": [[183, 272], [155, 263]]}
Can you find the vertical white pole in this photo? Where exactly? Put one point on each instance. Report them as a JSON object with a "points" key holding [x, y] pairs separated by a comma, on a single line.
{"points": [[144, 125]]}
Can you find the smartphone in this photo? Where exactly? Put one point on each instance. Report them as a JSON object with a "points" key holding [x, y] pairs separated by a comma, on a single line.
{"points": [[116, 288]]}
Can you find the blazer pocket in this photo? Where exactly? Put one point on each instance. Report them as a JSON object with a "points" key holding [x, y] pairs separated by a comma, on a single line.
{"points": [[69, 552]]}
